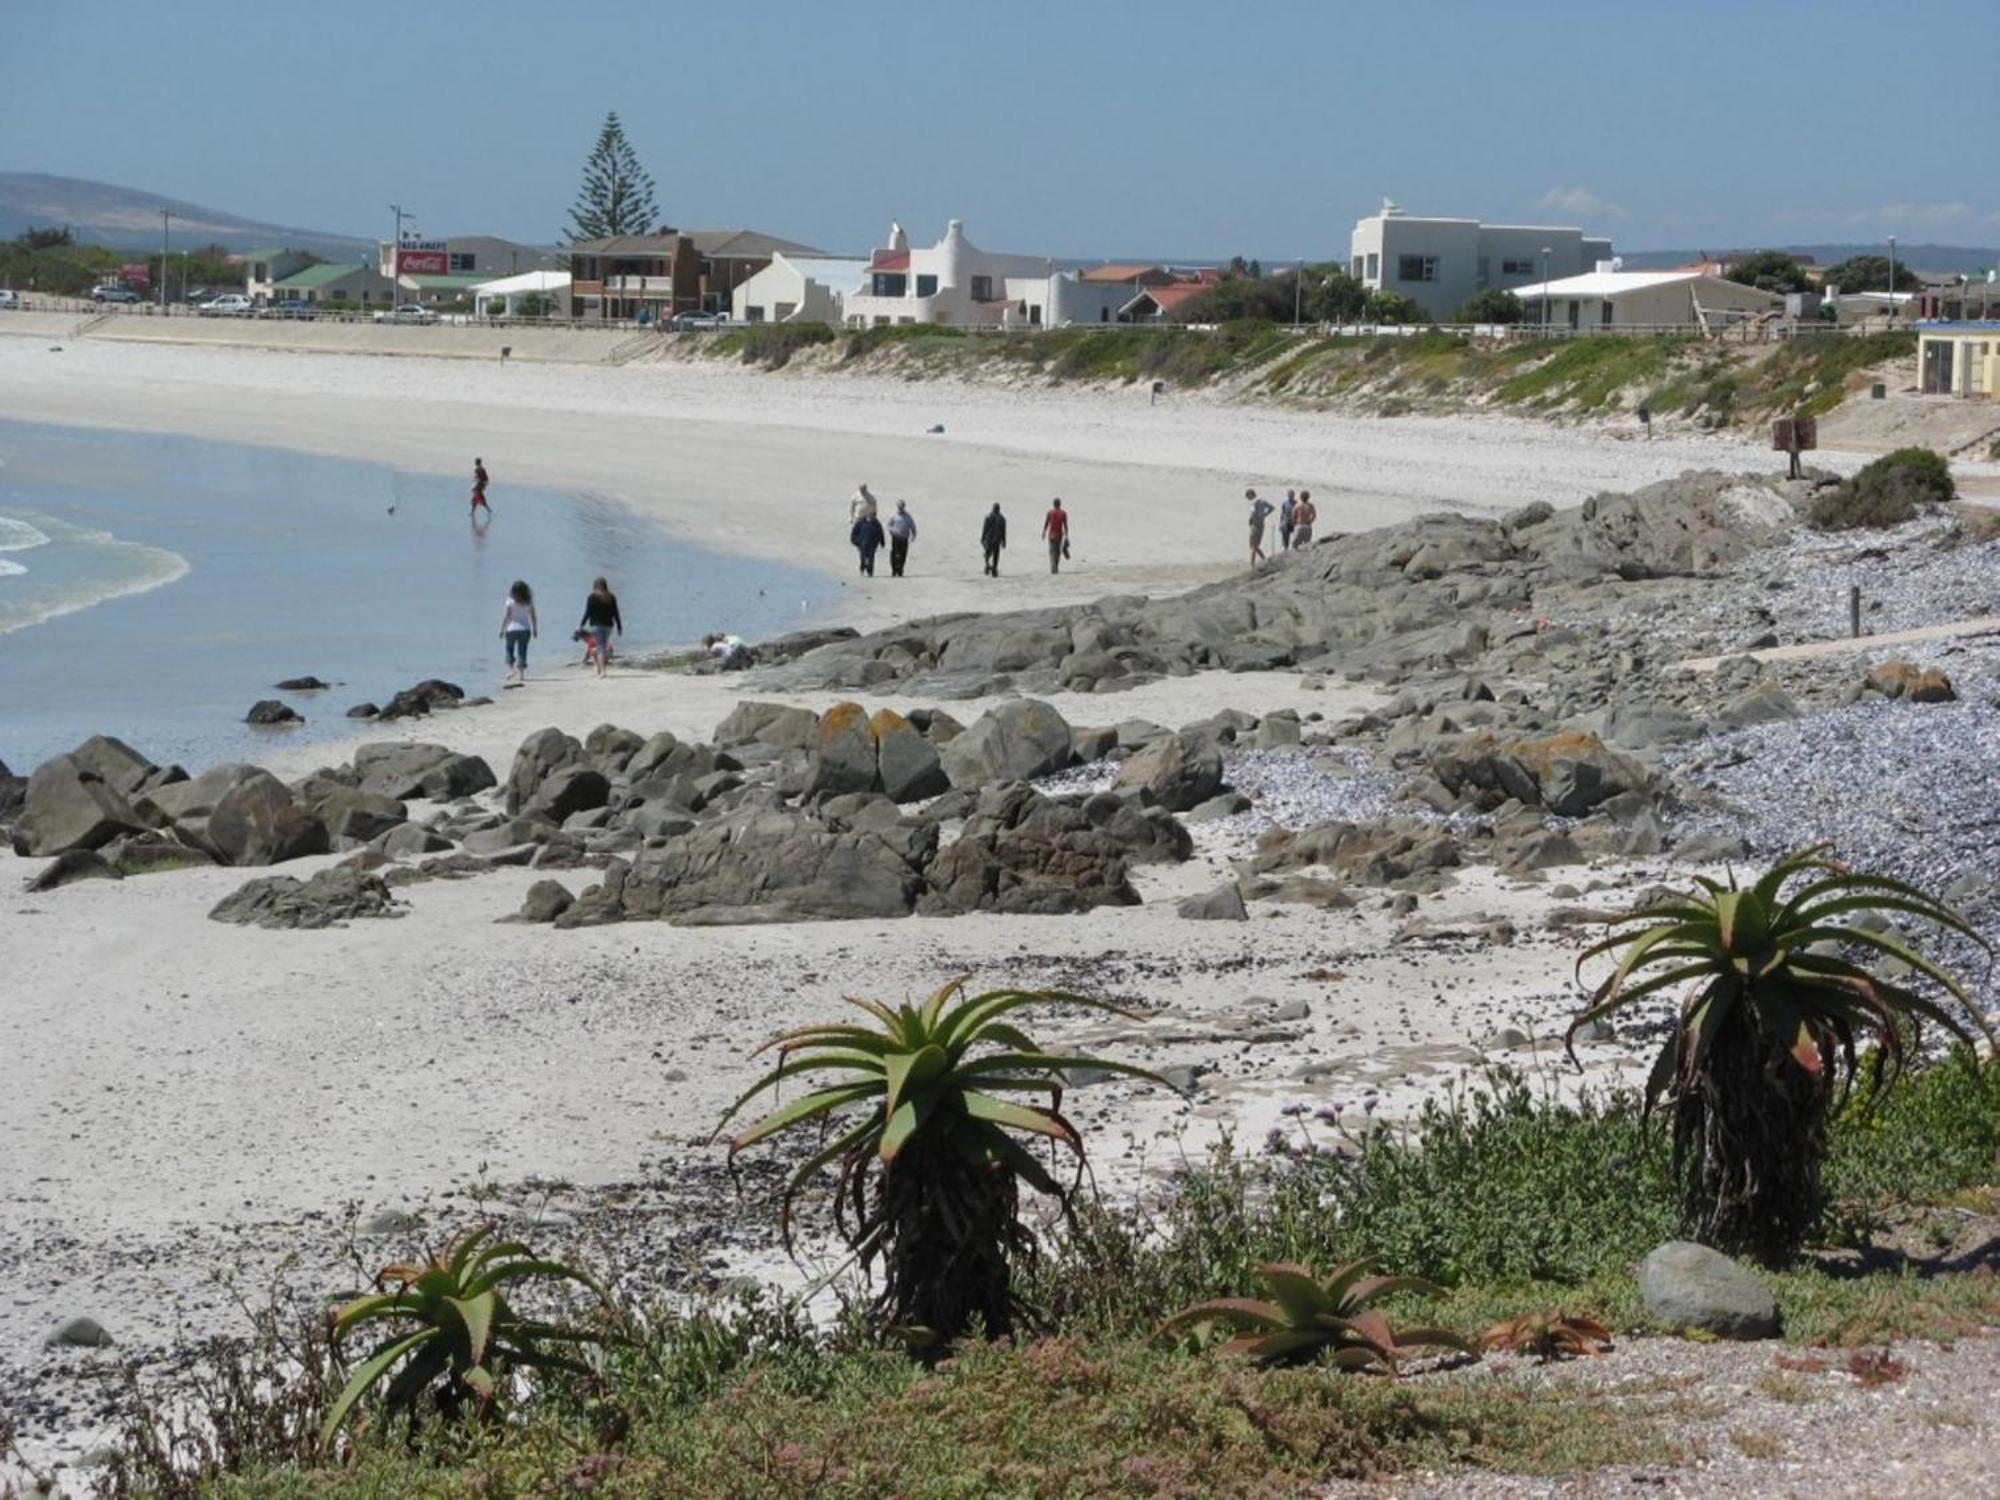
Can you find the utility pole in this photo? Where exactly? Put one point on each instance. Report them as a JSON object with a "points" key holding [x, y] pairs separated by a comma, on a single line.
{"points": [[1892, 276], [1548, 302], [396, 258], [164, 216], [1298, 292]]}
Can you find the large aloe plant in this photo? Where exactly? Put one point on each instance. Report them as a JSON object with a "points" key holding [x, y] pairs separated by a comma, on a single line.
{"points": [[924, 1138], [452, 1333], [1310, 1317], [1770, 1032]]}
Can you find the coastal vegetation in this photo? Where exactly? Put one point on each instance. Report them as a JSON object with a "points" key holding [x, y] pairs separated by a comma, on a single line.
{"points": [[1894, 488], [1710, 384], [1506, 1207]]}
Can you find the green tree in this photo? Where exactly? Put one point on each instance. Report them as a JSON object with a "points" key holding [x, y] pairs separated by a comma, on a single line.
{"points": [[1870, 273], [617, 193], [1392, 307], [1494, 305], [44, 239], [1770, 271], [1333, 296]]}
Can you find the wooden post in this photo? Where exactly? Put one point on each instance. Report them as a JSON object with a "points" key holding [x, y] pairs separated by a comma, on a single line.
{"points": [[1854, 610]]}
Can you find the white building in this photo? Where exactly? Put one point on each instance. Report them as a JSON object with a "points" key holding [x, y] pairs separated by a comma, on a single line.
{"points": [[1608, 298], [798, 289], [954, 281], [507, 296], [1440, 264]]}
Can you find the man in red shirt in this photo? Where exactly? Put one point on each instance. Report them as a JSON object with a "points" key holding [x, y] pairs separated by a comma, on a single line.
{"points": [[1055, 527]]}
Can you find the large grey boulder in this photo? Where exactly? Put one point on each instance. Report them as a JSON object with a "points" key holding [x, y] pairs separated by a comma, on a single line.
{"points": [[1688, 1286], [124, 769], [66, 806], [1180, 776], [664, 756], [256, 823], [843, 753], [1016, 741], [762, 865], [1223, 904], [541, 754], [331, 896], [354, 817], [569, 790], [189, 804], [1025, 853], [405, 769], [908, 767], [776, 724]]}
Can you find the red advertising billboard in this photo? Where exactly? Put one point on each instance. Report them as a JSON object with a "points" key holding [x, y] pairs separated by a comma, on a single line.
{"points": [[422, 258], [138, 274]]}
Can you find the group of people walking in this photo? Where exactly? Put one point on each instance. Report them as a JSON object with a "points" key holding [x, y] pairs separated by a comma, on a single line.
{"points": [[519, 624], [867, 533], [1295, 521]]}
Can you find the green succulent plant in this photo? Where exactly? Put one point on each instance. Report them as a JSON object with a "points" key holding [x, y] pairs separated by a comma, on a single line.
{"points": [[1771, 1031], [1308, 1317], [925, 1140], [453, 1336]]}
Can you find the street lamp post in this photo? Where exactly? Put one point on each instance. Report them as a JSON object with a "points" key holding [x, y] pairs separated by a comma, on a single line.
{"points": [[164, 216], [396, 257], [1298, 292], [1892, 276], [1548, 302]]}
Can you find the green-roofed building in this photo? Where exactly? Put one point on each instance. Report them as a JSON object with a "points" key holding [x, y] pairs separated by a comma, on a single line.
{"points": [[355, 285], [264, 269]]}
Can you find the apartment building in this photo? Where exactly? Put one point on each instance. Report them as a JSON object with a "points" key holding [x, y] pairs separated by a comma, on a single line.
{"points": [[654, 276], [1440, 264]]}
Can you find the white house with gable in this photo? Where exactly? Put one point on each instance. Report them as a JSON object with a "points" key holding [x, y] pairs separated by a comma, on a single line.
{"points": [[798, 289], [954, 281]]}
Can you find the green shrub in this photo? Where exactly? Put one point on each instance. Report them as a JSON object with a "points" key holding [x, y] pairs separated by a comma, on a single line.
{"points": [[1392, 307], [1494, 305], [865, 341], [1893, 489], [771, 345]]}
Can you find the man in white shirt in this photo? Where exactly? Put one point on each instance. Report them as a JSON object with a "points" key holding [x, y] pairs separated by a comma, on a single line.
{"points": [[902, 532]]}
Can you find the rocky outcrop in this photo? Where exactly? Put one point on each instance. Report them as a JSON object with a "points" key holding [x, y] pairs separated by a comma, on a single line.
{"points": [[330, 897], [270, 713], [1905, 679], [255, 822], [69, 805], [1021, 852], [1569, 773], [404, 770], [1176, 774], [853, 751], [541, 754]]}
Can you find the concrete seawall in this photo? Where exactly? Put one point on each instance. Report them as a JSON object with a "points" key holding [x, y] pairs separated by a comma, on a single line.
{"points": [[559, 345]]}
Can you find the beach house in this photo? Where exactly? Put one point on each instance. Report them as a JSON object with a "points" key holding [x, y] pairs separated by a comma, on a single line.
{"points": [[954, 281], [654, 276], [264, 269], [1440, 264], [1644, 300], [798, 289], [1959, 358]]}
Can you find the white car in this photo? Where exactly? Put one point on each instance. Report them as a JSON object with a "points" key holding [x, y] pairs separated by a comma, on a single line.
{"points": [[698, 322], [13, 301], [407, 312], [229, 305]]}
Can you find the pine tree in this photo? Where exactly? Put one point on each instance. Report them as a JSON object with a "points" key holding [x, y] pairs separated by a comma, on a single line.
{"points": [[617, 193]]}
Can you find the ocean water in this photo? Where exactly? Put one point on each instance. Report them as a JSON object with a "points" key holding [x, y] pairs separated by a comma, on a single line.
{"points": [[154, 587]]}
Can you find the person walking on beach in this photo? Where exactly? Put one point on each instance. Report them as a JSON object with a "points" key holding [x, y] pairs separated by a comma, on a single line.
{"points": [[866, 534], [863, 504], [479, 488], [518, 625], [1286, 513], [600, 618], [1302, 520], [1259, 509], [902, 532], [992, 538], [1055, 529]]}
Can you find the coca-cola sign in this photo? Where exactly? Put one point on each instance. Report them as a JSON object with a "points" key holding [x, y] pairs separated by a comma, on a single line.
{"points": [[422, 258]]}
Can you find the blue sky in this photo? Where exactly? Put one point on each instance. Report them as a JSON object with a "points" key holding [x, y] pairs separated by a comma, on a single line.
{"points": [[1092, 127]]}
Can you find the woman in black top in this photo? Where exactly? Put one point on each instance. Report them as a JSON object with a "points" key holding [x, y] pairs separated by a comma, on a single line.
{"points": [[600, 618]]}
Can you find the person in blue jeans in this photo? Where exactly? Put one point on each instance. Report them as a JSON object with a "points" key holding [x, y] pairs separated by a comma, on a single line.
{"points": [[518, 626]]}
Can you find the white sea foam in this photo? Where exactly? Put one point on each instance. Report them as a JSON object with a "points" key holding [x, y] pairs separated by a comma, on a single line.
{"points": [[18, 536], [10, 569]]}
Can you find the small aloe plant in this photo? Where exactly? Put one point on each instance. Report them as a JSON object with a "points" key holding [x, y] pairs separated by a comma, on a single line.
{"points": [[453, 1333], [1548, 1336], [1308, 1316]]}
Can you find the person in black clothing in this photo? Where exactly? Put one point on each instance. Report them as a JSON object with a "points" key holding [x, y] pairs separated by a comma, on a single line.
{"points": [[600, 618], [993, 537], [867, 539]]}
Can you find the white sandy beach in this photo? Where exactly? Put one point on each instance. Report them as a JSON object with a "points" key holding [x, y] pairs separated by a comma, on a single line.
{"points": [[178, 1087]]}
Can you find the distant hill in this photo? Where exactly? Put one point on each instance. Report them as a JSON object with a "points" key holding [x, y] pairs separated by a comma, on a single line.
{"points": [[1943, 260], [100, 213]]}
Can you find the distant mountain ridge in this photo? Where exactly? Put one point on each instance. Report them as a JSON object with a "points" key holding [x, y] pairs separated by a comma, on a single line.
{"points": [[1944, 260], [102, 213]]}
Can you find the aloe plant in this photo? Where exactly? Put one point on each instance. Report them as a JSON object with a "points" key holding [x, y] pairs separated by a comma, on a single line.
{"points": [[925, 1142], [452, 1333], [1548, 1336], [1769, 1035], [1309, 1317]]}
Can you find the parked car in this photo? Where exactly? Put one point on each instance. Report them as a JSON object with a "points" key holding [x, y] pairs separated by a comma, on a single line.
{"points": [[291, 307], [694, 322], [112, 291], [12, 301], [407, 312], [228, 305]]}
